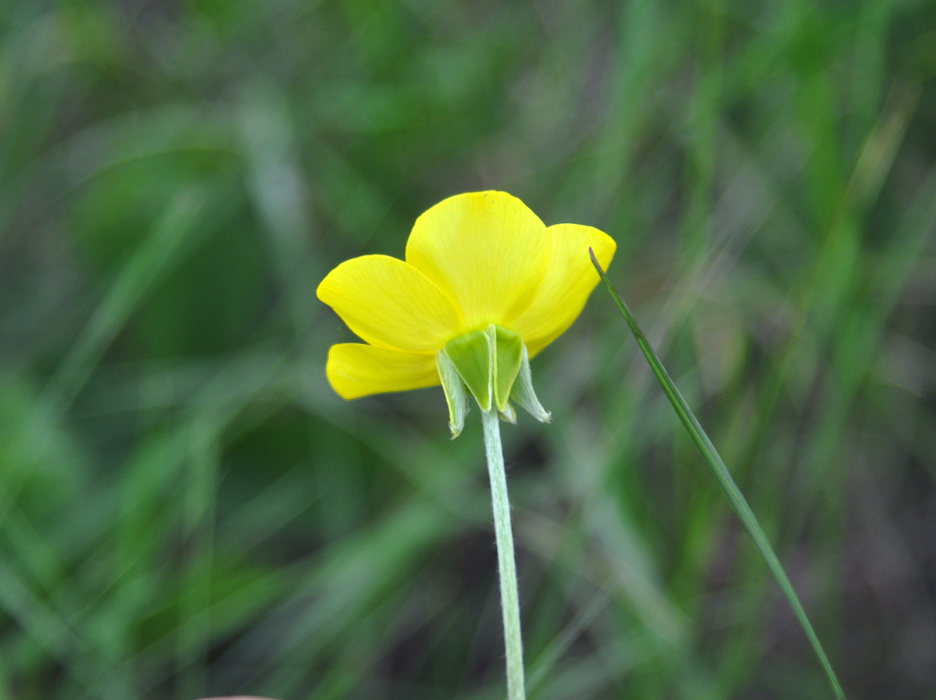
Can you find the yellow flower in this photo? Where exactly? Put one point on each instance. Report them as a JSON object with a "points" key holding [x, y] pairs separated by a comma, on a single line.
{"points": [[474, 263]]}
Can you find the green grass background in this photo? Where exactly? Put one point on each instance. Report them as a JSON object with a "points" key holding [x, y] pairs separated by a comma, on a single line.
{"points": [[186, 508]]}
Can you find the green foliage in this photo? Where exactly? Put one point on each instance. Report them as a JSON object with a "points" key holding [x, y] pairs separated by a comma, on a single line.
{"points": [[722, 476], [187, 509]]}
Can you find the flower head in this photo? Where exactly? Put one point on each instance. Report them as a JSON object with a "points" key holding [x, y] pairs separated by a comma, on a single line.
{"points": [[484, 283]]}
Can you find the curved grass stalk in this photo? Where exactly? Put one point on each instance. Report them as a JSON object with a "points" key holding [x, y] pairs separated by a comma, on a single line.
{"points": [[715, 464]]}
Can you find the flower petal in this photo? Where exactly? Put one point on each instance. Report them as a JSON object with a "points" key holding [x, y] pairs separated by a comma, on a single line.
{"points": [[390, 304], [571, 277], [356, 370], [487, 250]]}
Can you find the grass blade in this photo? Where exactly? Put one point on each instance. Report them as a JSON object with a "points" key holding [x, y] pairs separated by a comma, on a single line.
{"points": [[723, 477]]}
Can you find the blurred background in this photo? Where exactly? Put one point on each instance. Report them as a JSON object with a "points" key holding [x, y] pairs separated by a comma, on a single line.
{"points": [[186, 508]]}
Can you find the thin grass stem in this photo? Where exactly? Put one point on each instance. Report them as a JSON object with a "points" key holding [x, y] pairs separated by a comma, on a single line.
{"points": [[715, 464]]}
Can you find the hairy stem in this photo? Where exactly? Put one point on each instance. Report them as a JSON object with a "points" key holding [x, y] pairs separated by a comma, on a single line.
{"points": [[510, 601]]}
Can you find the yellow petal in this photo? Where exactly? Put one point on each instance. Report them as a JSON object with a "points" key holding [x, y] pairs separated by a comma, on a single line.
{"points": [[571, 277], [356, 370], [487, 250], [390, 304]]}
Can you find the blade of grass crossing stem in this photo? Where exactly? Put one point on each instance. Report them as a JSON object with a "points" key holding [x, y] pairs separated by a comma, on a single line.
{"points": [[723, 477]]}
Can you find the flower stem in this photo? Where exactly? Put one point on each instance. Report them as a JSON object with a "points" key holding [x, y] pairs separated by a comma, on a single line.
{"points": [[510, 601]]}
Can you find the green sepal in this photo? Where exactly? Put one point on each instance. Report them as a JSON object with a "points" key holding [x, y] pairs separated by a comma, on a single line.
{"points": [[508, 354], [455, 395], [471, 355], [509, 414], [494, 365], [524, 395]]}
